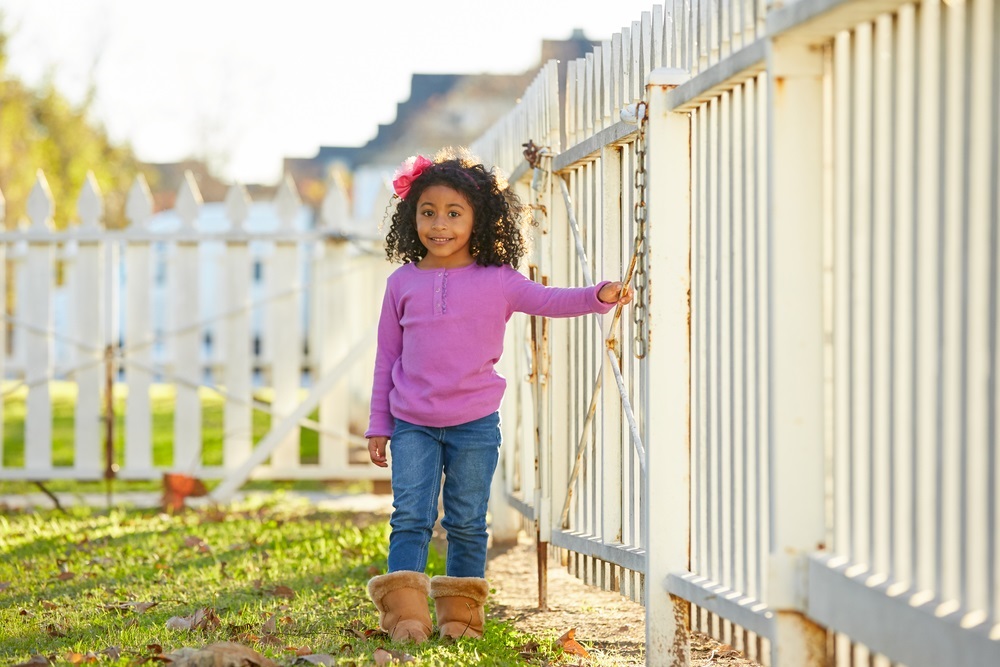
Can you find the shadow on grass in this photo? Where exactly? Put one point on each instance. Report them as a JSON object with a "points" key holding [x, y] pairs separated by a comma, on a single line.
{"points": [[306, 571]]}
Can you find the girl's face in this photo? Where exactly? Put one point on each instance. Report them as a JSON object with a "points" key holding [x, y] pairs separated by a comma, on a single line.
{"points": [[444, 225]]}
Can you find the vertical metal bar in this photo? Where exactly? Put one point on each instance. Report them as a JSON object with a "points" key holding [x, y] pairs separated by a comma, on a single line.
{"points": [[861, 296], [904, 241], [926, 522], [993, 405], [725, 237], [612, 442], [753, 529], [740, 517], [882, 252], [796, 341], [711, 340], [953, 442], [762, 258], [699, 422]]}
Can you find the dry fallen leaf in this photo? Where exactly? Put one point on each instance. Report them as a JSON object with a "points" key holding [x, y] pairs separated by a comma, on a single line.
{"points": [[281, 592], [203, 619], [177, 487], [222, 654], [569, 644], [80, 658], [529, 650], [49, 605], [34, 660], [315, 659], [55, 630], [112, 652], [270, 640], [385, 657], [137, 607], [198, 544], [103, 561], [270, 625], [65, 576]]}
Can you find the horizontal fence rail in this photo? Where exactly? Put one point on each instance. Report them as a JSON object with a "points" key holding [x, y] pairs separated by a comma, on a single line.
{"points": [[818, 292]]}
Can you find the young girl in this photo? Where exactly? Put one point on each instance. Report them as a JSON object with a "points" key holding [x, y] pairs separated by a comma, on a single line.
{"points": [[458, 231]]}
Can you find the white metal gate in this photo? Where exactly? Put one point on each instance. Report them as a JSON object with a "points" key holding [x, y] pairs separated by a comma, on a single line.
{"points": [[817, 405]]}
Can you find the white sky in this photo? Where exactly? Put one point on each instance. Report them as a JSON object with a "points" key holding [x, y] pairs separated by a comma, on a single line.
{"points": [[248, 82]]}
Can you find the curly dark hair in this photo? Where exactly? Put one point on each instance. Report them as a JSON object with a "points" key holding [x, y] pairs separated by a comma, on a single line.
{"points": [[498, 232]]}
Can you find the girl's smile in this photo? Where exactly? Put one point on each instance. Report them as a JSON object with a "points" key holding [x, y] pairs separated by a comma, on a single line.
{"points": [[444, 226]]}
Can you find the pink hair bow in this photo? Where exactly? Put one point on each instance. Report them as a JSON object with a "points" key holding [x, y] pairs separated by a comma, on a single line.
{"points": [[408, 172]]}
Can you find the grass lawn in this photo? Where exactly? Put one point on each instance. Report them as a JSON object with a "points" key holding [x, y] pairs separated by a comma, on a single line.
{"points": [[277, 577]]}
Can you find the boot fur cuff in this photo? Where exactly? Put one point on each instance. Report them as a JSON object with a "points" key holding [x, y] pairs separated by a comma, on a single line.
{"points": [[381, 585], [468, 587]]}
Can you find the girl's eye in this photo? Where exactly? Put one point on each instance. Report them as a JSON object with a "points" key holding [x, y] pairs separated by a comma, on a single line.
{"points": [[453, 214]]}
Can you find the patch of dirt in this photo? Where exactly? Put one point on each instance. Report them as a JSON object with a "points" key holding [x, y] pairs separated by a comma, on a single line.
{"points": [[610, 627]]}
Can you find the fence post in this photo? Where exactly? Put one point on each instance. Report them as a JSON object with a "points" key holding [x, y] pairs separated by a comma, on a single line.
{"points": [[185, 304], [88, 318], [333, 340], [37, 316], [138, 357], [795, 299], [668, 439], [238, 412], [285, 326]]}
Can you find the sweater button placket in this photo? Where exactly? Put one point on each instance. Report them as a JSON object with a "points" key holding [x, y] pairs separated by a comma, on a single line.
{"points": [[438, 304]]}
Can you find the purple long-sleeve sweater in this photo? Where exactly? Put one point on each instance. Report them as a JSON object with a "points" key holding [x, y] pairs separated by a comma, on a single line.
{"points": [[441, 333]]}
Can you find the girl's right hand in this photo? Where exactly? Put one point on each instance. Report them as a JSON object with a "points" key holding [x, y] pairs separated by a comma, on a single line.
{"points": [[376, 450]]}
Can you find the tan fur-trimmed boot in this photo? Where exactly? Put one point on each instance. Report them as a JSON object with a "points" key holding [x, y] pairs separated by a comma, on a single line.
{"points": [[458, 604], [401, 600]]}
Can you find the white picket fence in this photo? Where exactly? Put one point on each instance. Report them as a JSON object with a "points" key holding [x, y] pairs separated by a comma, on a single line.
{"points": [[138, 304], [803, 462]]}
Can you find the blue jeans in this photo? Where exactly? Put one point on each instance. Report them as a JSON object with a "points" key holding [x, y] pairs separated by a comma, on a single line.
{"points": [[467, 454]]}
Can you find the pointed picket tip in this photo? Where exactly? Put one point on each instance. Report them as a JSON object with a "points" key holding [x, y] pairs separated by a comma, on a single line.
{"points": [[189, 201], [335, 211], [287, 203], [237, 205], [139, 206], [90, 203], [40, 204]]}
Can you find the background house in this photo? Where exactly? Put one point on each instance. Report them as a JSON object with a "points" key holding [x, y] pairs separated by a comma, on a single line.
{"points": [[442, 110]]}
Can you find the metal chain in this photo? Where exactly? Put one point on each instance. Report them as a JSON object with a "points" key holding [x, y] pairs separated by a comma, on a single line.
{"points": [[640, 279]]}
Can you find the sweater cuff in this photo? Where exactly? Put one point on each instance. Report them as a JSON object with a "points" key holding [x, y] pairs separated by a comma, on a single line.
{"points": [[380, 426], [600, 306]]}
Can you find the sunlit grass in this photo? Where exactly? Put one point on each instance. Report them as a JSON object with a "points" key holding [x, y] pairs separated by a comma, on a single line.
{"points": [[76, 583], [162, 399]]}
